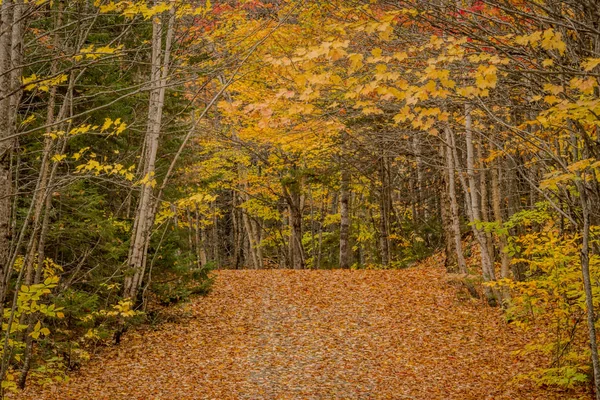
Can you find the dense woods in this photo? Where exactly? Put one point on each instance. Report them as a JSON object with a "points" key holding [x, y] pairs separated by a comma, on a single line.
{"points": [[144, 144]]}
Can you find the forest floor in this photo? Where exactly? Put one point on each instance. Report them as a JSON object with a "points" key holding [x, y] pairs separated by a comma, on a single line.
{"points": [[278, 334]]}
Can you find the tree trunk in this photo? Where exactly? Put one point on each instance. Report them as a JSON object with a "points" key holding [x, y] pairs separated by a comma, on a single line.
{"points": [[200, 240], [502, 241], [345, 219], [295, 202], [587, 283], [486, 260], [454, 211], [7, 128], [384, 242], [421, 209], [145, 212]]}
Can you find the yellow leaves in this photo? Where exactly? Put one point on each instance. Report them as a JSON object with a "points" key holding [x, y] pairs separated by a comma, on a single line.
{"points": [[384, 28], [475, 58], [91, 165], [58, 157], [580, 165], [38, 330], [404, 115], [551, 100], [409, 11], [155, 10], [548, 62], [336, 54], [309, 94], [147, 180], [385, 31], [78, 155], [331, 50], [471, 91], [553, 41], [120, 128], [356, 62], [380, 69], [372, 111], [124, 308], [93, 53], [55, 134], [547, 40], [532, 39], [28, 120], [96, 168], [429, 111], [486, 77], [441, 75], [301, 109], [586, 86], [33, 82], [389, 93], [229, 108], [81, 129], [400, 56], [553, 180], [117, 125], [335, 80], [377, 56], [488, 58], [318, 79], [197, 199], [436, 42], [553, 89], [130, 9], [107, 123], [27, 82], [382, 74], [92, 334], [589, 64]]}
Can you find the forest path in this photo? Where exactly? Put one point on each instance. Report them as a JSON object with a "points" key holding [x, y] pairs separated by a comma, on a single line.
{"points": [[277, 334]]}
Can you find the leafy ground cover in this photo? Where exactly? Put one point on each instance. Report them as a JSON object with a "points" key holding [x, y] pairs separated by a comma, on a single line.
{"points": [[282, 334]]}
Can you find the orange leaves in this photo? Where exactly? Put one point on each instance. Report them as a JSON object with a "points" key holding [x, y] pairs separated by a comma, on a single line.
{"points": [[584, 85], [316, 334]]}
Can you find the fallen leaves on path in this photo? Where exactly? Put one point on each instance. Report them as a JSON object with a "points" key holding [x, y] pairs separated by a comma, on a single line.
{"points": [[279, 334]]}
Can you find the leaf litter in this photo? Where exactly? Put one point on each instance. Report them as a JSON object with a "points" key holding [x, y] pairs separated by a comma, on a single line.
{"points": [[282, 334]]}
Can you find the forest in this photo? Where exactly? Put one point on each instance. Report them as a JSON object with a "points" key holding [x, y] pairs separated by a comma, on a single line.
{"points": [[149, 150]]}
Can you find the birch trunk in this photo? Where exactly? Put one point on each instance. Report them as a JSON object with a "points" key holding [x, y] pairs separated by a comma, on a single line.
{"points": [[486, 260], [502, 241], [454, 211], [146, 209]]}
